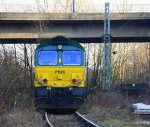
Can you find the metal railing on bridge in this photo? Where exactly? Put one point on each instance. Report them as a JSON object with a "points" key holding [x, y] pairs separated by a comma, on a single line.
{"points": [[67, 8]]}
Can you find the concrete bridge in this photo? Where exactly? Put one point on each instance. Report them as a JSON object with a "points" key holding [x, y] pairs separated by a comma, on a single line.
{"points": [[84, 27]]}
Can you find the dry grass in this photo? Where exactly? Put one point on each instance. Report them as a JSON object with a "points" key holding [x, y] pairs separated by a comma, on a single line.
{"points": [[105, 109], [22, 118], [110, 110]]}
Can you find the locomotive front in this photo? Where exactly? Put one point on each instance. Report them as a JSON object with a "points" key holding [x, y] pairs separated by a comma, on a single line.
{"points": [[59, 75]]}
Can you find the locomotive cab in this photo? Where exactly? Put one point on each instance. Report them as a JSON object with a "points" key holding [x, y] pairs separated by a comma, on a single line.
{"points": [[59, 75]]}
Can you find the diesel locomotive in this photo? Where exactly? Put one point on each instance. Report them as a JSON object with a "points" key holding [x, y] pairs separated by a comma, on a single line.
{"points": [[59, 75]]}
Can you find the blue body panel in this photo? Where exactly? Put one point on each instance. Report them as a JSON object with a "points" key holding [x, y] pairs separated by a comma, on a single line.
{"points": [[59, 98]]}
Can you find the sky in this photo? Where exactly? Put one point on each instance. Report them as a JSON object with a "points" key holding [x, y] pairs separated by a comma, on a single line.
{"points": [[31, 5], [92, 1]]}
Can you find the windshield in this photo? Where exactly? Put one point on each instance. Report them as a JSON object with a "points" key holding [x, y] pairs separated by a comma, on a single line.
{"points": [[71, 58], [47, 57]]}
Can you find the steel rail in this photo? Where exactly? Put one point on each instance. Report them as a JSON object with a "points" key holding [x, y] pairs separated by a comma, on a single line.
{"points": [[47, 120], [86, 121]]}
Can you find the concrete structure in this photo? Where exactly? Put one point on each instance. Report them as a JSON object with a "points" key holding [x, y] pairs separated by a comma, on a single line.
{"points": [[30, 27]]}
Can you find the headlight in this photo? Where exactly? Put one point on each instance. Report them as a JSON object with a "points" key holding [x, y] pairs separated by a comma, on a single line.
{"points": [[79, 81], [40, 80]]}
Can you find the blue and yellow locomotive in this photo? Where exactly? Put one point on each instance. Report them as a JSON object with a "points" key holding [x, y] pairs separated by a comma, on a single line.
{"points": [[59, 75]]}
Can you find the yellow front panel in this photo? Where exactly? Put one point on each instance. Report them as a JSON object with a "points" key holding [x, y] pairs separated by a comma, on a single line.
{"points": [[59, 76]]}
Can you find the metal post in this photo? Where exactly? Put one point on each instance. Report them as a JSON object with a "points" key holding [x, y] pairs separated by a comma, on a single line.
{"points": [[106, 51], [73, 6]]}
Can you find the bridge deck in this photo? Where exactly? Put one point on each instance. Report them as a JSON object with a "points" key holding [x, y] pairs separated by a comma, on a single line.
{"points": [[87, 27], [4, 16]]}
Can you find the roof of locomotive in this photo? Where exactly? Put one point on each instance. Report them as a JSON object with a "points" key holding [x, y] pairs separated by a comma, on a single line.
{"points": [[58, 40]]}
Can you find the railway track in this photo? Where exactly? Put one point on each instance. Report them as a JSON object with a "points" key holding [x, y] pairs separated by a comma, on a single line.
{"points": [[87, 122], [75, 120], [47, 120]]}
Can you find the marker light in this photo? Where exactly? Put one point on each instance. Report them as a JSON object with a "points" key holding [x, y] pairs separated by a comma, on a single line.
{"points": [[45, 80], [73, 81], [60, 47]]}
